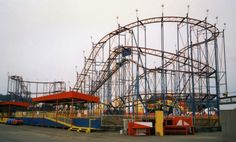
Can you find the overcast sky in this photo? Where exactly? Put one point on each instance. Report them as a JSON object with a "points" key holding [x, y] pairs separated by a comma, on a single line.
{"points": [[44, 39]]}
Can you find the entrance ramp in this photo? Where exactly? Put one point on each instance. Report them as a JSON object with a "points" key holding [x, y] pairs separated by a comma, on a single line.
{"points": [[71, 126]]}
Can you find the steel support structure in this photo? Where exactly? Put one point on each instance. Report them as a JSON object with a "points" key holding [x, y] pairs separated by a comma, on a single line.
{"points": [[121, 72]]}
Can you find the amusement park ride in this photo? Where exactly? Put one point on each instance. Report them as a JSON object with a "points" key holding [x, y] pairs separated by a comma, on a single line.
{"points": [[169, 63]]}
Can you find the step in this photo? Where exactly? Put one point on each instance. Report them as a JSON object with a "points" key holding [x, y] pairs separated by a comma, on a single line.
{"points": [[81, 129]]}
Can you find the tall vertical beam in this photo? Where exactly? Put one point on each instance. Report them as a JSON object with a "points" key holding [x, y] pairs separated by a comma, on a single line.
{"points": [[178, 65], [199, 58], [217, 81], [155, 86], [145, 69], [207, 69], [109, 88], [8, 83], [225, 67], [125, 79], [124, 84], [103, 94], [132, 76], [172, 79], [137, 67], [188, 56], [192, 74], [83, 83], [163, 87], [36, 90], [132, 72], [119, 71]]}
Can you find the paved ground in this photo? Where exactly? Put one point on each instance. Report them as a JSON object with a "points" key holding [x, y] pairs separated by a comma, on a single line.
{"points": [[9, 133]]}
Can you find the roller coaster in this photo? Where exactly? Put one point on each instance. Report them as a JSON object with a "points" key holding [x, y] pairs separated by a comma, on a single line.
{"points": [[19, 89], [157, 63], [170, 63]]}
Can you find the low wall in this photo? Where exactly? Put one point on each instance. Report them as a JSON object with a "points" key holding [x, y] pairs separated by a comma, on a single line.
{"points": [[84, 122], [80, 122], [228, 123], [41, 122]]}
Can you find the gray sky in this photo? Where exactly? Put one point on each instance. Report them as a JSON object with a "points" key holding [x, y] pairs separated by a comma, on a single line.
{"points": [[44, 39]]}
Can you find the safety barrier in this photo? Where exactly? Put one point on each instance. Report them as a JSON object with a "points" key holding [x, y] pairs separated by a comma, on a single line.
{"points": [[178, 125], [55, 119]]}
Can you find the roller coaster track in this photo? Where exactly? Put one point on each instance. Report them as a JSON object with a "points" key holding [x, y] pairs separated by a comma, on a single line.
{"points": [[107, 72], [172, 19], [107, 75], [19, 87]]}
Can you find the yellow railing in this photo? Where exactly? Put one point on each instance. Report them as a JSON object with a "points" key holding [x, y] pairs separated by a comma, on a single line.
{"points": [[53, 114], [64, 118]]}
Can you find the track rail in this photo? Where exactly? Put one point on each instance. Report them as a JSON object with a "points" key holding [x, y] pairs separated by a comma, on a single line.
{"points": [[167, 19]]}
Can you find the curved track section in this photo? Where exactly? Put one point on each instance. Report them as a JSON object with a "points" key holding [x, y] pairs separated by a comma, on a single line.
{"points": [[135, 66], [203, 24], [19, 88]]}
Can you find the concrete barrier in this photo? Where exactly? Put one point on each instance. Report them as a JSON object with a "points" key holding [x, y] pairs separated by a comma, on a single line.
{"points": [[228, 123]]}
